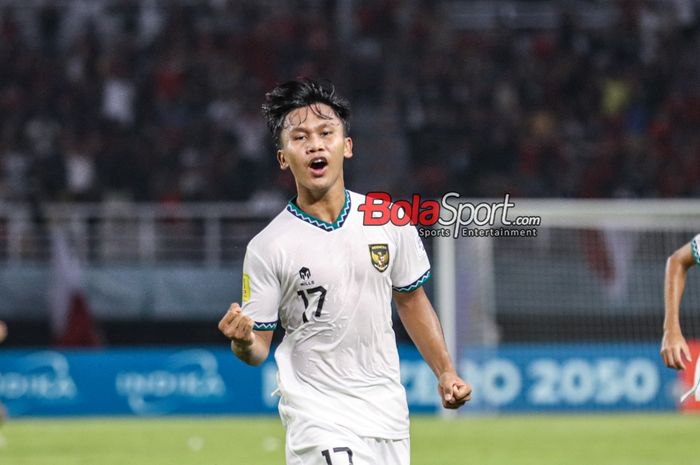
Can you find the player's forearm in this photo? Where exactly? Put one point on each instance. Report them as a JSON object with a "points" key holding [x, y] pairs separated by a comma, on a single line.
{"points": [[253, 353], [674, 283], [423, 326], [435, 353]]}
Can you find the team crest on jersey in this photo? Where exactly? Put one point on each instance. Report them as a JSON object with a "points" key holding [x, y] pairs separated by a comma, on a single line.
{"points": [[379, 253]]}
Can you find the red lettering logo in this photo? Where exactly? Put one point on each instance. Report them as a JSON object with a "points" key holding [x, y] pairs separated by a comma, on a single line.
{"points": [[378, 210]]}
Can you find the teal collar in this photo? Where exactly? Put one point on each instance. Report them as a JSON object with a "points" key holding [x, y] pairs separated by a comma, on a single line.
{"points": [[299, 213]]}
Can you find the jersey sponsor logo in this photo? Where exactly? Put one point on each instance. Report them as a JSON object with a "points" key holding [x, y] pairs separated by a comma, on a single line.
{"points": [[305, 276], [379, 254], [245, 288]]}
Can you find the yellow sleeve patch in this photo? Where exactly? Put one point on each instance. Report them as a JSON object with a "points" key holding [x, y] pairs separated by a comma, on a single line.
{"points": [[245, 288]]}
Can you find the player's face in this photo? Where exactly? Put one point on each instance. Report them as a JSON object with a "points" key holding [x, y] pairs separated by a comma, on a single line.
{"points": [[314, 147]]}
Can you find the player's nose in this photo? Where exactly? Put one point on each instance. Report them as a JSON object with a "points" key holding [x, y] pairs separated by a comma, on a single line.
{"points": [[314, 144]]}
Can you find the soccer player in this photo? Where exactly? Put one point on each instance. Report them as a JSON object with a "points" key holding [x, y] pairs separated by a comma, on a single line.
{"points": [[330, 280], [674, 348]]}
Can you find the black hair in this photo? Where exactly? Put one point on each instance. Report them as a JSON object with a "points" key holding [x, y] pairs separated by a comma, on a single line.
{"points": [[301, 93]]}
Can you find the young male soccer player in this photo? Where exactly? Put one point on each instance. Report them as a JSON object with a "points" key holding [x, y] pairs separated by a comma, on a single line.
{"points": [[330, 280], [674, 349]]}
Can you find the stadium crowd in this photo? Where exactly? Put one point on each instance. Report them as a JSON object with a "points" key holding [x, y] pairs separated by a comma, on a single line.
{"points": [[159, 101]]}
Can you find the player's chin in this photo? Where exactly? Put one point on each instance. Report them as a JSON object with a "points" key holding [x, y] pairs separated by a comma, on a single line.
{"points": [[315, 182]]}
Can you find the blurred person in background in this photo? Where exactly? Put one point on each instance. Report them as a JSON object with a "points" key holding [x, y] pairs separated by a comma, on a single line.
{"points": [[156, 94], [330, 280], [674, 348]]}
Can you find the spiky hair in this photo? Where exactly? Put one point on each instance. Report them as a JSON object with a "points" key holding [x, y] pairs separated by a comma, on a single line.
{"points": [[289, 96]]}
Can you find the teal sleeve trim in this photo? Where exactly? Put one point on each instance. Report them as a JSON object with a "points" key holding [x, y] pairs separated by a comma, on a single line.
{"points": [[262, 326], [415, 284], [694, 247]]}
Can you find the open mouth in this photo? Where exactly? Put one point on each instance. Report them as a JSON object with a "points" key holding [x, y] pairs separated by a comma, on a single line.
{"points": [[317, 165]]}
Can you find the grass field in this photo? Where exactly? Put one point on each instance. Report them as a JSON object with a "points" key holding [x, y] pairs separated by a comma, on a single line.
{"points": [[508, 440]]}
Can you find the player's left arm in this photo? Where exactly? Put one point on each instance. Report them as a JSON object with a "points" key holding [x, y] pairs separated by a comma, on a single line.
{"points": [[423, 326]]}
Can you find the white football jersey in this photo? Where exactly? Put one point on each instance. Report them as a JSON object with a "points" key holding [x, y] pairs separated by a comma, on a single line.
{"points": [[330, 286], [695, 245]]}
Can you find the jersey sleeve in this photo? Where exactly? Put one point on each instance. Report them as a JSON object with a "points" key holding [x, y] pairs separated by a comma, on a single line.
{"points": [[261, 291], [411, 266], [695, 246]]}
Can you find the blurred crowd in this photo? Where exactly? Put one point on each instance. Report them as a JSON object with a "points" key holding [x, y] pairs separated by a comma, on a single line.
{"points": [[159, 101]]}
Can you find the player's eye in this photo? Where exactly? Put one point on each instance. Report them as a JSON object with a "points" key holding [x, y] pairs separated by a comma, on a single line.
{"points": [[326, 133], [299, 137]]}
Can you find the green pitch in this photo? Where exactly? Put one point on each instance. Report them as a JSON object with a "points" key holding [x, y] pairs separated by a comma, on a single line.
{"points": [[507, 440]]}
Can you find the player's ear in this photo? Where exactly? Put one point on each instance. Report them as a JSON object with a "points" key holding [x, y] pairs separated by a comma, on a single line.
{"points": [[347, 153], [281, 160]]}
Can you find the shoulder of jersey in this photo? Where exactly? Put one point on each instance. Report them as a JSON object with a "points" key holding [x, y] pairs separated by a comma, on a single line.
{"points": [[271, 233], [356, 199], [359, 199]]}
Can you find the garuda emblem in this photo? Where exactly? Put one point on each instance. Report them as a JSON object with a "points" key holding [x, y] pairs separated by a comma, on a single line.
{"points": [[379, 253]]}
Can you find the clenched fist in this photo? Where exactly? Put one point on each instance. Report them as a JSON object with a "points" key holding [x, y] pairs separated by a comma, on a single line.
{"points": [[237, 326], [453, 390]]}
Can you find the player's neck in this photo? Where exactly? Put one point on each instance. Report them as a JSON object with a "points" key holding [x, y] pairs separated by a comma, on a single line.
{"points": [[325, 206]]}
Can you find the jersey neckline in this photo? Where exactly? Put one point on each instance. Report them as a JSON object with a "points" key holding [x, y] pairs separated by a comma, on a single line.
{"points": [[326, 226]]}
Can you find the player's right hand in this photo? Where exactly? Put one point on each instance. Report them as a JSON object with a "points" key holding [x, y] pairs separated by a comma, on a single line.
{"points": [[674, 350], [453, 390], [237, 326]]}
